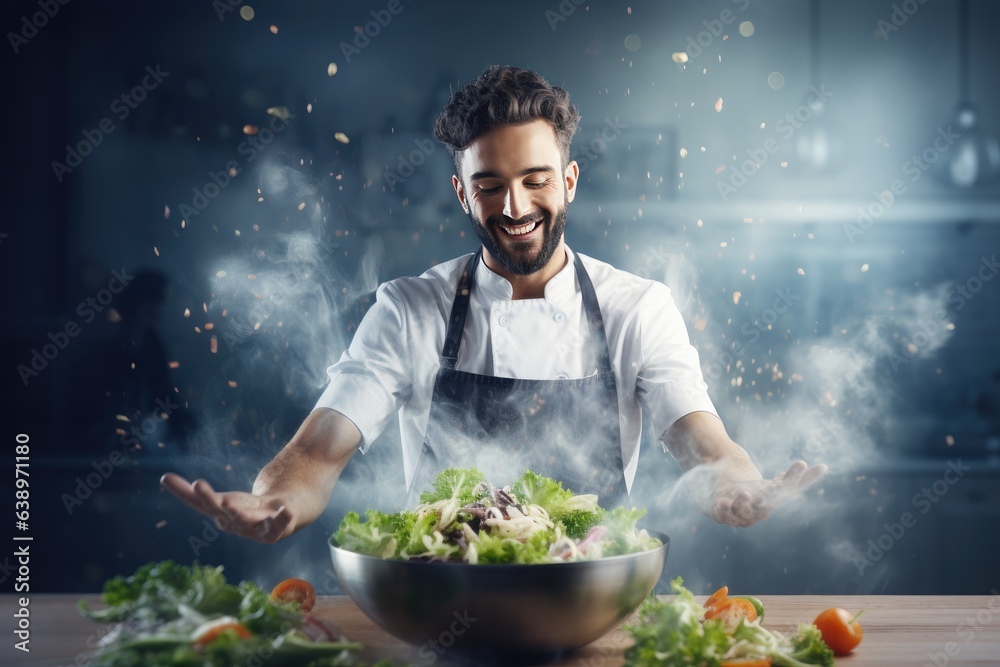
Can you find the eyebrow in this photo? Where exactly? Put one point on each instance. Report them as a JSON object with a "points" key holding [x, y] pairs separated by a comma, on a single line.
{"points": [[525, 172]]}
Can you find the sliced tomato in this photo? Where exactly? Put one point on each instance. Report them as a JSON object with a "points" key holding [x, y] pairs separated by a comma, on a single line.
{"points": [[717, 596], [211, 631], [757, 605], [731, 611], [733, 606], [747, 662], [296, 590]]}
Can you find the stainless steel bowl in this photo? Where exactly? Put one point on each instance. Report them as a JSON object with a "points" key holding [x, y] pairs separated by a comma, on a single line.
{"points": [[503, 611]]}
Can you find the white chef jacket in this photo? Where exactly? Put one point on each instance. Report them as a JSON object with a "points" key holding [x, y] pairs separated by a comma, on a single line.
{"points": [[394, 358]]}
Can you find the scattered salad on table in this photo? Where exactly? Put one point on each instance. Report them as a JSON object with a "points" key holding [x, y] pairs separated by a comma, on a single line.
{"points": [[727, 632], [171, 615], [464, 518]]}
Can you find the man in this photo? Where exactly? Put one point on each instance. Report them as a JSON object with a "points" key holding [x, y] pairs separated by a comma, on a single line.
{"points": [[521, 355]]}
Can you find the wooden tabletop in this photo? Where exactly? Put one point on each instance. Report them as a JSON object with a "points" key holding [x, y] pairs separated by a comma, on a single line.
{"points": [[899, 630]]}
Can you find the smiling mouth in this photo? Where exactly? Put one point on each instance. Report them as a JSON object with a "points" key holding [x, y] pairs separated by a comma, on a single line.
{"points": [[520, 230]]}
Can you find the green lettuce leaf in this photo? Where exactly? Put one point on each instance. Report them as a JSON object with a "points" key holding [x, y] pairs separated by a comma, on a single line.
{"points": [[576, 514], [378, 536], [456, 483], [672, 633], [156, 590]]}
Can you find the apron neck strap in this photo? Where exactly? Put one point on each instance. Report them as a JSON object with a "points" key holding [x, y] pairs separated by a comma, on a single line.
{"points": [[460, 309], [592, 309]]}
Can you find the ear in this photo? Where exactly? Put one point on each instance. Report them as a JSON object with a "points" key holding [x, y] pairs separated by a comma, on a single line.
{"points": [[460, 192], [572, 177]]}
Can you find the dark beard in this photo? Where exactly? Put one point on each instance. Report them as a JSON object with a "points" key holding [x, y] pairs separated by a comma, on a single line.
{"points": [[517, 261]]}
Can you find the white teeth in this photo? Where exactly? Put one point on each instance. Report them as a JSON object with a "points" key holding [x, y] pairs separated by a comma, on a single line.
{"points": [[522, 230]]}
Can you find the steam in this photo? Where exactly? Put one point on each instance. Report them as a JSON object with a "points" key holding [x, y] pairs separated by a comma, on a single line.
{"points": [[282, 309], [827, 397]]}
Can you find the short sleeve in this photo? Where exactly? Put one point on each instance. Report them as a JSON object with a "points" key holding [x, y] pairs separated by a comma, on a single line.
{"points": [[670, 382], [373, 377]]}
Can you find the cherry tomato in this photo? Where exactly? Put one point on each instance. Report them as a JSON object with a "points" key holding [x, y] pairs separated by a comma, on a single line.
{"points": [[295, 590], [841, 631]]}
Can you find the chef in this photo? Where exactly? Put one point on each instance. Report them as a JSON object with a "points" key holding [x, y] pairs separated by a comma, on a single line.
{"points": [[522, 354]]}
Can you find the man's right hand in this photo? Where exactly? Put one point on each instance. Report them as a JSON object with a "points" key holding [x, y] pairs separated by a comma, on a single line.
{"points": [[291, 492], [254, 517]]}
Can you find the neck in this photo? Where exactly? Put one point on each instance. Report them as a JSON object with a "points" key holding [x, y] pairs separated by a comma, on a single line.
{"points": [[531, 286]]}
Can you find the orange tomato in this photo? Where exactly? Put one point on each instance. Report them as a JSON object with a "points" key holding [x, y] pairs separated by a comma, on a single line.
{"points": [[733, 608], [212, 633], [717, 596], [295, 590], [841, 631]]}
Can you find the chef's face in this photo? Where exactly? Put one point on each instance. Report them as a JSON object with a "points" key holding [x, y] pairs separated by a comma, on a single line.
{"points": [[516, 191]]}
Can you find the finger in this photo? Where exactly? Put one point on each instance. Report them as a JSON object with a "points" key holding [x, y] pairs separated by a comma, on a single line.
{"points": [[722, 510], [812, 475], [802, 477], [742, 506], [787, 484], [273, 527], [225, 518], [181, 489], [795, 483], [795, 470]]}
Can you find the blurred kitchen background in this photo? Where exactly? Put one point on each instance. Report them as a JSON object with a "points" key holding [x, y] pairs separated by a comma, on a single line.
{"points": [[816, 181]]}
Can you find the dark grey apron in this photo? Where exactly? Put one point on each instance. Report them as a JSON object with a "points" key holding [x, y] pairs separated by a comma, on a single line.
{"points": [[564, 429]]}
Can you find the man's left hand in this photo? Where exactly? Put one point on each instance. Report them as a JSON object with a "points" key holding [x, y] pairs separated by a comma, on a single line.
{"points": [[741, 498]]}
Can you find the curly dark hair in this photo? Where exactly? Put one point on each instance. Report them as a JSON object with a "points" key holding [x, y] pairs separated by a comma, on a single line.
{"points": [[504, 96]]}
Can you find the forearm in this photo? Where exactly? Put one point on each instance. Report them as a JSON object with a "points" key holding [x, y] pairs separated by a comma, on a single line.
{"points": [[721, 480], [305, 471], [700, 438]]}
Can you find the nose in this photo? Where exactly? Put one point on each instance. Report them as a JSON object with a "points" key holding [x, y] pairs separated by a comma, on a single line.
{"points": [[516, 203]]}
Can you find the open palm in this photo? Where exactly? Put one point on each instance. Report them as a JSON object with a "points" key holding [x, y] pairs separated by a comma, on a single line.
{"points": [[237, 512]]}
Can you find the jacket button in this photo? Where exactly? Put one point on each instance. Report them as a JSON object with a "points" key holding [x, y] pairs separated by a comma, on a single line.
{"points": [[504, 320], [559, 317]]}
